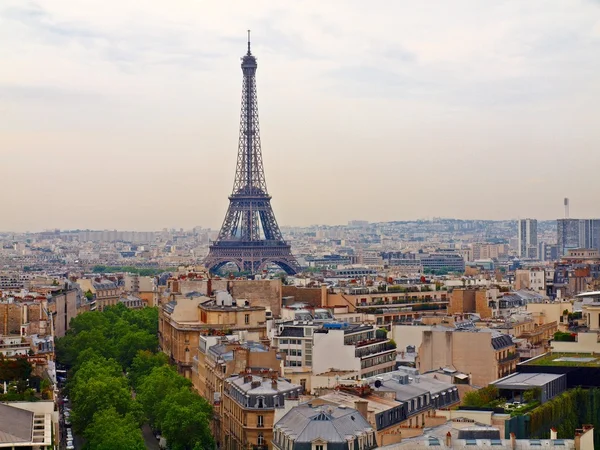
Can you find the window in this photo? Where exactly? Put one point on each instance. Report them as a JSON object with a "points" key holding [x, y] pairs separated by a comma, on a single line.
{"points": [[260, 421], [246, 319], [261, 439], [319, 447]]}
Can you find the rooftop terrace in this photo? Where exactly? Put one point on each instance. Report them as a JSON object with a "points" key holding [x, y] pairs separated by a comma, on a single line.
{"points": [[565, 360]]}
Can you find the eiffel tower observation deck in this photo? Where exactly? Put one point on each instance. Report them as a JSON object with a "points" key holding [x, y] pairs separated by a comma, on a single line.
{"points": [[250, 237]]}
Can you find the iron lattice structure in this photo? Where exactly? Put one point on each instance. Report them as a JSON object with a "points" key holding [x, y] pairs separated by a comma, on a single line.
{"points": [[250, 236]]}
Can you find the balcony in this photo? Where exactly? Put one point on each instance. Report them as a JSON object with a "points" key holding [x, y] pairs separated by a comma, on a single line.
{"points": [[374, 347], [510, 358]]}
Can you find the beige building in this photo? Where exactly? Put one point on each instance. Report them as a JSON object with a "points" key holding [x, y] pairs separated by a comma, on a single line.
{"points": [[220, 360], [543, 313], [483, 354], [63, 307], [104, 292], [478, 301], [183, 320], [251, 402]]}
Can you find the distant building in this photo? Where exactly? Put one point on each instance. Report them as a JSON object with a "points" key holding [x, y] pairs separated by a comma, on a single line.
{"points": [[326, 427], [577, 233], [449, 261], [527, 238]]}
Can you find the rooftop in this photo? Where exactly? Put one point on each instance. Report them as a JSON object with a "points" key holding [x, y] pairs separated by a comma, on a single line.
{"points": [[565, 359], [330, 423], [526, 380]]}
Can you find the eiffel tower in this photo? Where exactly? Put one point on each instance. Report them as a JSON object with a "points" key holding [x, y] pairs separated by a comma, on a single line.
{"points": [[250, 236]]}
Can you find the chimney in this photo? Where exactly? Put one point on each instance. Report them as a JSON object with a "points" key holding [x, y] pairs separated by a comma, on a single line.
{"points": [[448, 440], [513, 441], [362, 407], [553, 433], [274, 384]]}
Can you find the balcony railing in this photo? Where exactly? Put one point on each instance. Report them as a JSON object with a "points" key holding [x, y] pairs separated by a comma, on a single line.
{"points": [[509, 358], [374, 349]]}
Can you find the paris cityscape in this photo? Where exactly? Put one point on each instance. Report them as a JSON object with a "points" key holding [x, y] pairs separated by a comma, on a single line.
{"points": [[399, 302]]}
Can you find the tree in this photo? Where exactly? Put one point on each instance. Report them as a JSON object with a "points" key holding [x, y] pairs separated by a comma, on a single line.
{"points": [[14, 369], [481, 398], [155, 387], [109, 430], [186, 422], [143, 363], [98, 385]]}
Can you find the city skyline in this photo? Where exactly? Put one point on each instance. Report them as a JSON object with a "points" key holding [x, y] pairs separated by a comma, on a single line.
{"points": [[109, 114]]}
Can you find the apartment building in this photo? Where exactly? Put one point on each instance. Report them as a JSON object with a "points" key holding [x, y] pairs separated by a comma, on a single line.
{"points": [[533, 278], [295, 340], [481, 353], [104, 292], [358, 348], [184, 319], [222, 357], [251, 402]]}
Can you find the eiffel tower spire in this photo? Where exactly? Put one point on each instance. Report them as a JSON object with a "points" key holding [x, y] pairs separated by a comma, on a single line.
{"points": [[250, 236]]}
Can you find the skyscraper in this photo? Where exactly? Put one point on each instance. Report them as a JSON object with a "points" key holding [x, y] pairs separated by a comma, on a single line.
{"points": [[527, 237], [577, 233]]}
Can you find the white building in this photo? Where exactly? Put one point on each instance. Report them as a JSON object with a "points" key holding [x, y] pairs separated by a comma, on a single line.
{"points": [[356, 348]]}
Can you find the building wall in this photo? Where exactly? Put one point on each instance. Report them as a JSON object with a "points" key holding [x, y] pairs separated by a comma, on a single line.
{"points": [[329, 352], [405, 335], [462, 301], [10, 318], [65, 309], [311, 296], [548, 312], [482, 304], [586, 343], [468, 352]]}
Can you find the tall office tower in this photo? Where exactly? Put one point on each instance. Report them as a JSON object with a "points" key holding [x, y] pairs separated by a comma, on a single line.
{"points": [[527, 236], [577, 233], [250, 236]]}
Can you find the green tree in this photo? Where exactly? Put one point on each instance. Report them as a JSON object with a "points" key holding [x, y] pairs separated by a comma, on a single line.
{"points": [[186, 421], [109, 430], [98, 385], [14, 369], [155, 387], [143, 363], [484, 397]]}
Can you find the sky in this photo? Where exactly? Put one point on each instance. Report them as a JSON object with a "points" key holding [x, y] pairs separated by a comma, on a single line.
{"points": [[125, 114]]}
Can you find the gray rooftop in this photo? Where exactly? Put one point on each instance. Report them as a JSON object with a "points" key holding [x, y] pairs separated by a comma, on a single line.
{"points": [[330, 423], [16, 425], [526, 380]]}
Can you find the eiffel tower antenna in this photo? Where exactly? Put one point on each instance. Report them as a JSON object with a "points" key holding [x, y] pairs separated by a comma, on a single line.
{"points": [[250, 236]]}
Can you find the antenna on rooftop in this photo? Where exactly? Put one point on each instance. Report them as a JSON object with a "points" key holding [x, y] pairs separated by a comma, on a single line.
{"points": [[566, 208]]}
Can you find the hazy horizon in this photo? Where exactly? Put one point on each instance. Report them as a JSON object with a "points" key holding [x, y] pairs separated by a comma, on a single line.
{"points": [[124, 115]]}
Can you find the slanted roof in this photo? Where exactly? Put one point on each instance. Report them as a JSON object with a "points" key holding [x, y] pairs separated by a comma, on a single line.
{"points": [[329, 423], [16, 425]]}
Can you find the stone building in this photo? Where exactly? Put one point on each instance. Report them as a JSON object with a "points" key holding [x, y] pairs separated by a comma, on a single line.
{"points": [[250, 404], [183, 320], [483, 354]]}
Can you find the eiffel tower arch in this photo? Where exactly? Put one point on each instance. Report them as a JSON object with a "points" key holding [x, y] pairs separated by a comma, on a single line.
{"points": [[250, 236]]}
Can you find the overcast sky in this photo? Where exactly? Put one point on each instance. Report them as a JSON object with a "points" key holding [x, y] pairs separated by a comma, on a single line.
{"points": [[124, 114]]}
